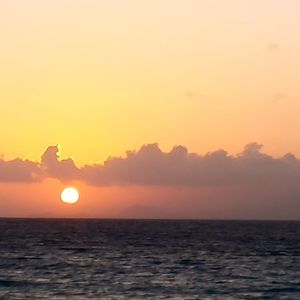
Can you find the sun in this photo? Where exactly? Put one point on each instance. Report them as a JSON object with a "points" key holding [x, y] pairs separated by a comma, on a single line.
{"points": [[69, 195]]}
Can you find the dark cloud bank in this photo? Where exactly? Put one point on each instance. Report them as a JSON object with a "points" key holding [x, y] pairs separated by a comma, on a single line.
{"points": [[251, 184], [151, 166]]}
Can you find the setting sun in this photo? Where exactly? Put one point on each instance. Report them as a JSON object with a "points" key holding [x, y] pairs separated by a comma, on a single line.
{"points": [[70, 195]]}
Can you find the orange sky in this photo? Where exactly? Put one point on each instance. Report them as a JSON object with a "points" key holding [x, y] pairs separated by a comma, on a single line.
{"points": [[103, 77]]}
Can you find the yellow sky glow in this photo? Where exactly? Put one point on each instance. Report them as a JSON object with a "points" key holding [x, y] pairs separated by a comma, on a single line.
{"points": [[102, 77]]}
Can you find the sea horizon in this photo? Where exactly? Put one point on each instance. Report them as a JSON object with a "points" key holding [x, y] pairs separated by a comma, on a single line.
{"points": [[151, 219]]}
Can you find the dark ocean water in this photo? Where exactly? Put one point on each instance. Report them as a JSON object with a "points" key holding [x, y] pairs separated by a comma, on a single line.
{"points": [[106, 259]]}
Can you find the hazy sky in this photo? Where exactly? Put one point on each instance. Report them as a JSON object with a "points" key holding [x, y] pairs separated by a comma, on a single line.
{"points": [[100, 78]]}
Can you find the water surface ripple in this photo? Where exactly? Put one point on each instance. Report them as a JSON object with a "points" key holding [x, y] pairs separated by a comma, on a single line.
{"points": [[111, 259]]}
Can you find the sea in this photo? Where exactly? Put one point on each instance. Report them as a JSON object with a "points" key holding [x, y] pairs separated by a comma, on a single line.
{"points": [[149, 259]]}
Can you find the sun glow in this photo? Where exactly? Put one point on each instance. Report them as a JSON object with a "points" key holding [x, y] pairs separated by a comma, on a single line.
{"points": [[70, 195]]}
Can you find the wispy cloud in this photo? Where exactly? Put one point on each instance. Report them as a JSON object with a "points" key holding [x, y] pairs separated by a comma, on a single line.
{"points": [[272, 47]]}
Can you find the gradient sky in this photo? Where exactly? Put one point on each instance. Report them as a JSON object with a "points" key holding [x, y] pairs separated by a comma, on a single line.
{"points": [[100, 78]]}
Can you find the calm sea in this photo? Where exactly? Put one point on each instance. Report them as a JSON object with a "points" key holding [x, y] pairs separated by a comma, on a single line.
{"points": [[111, 259]]}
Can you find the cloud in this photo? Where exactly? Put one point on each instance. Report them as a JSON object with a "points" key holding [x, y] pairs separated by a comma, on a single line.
{"points": [[52, 166], [272, 47], [193, 95], [251, 184], [278, 97], [150, 166], [19, 170]]}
